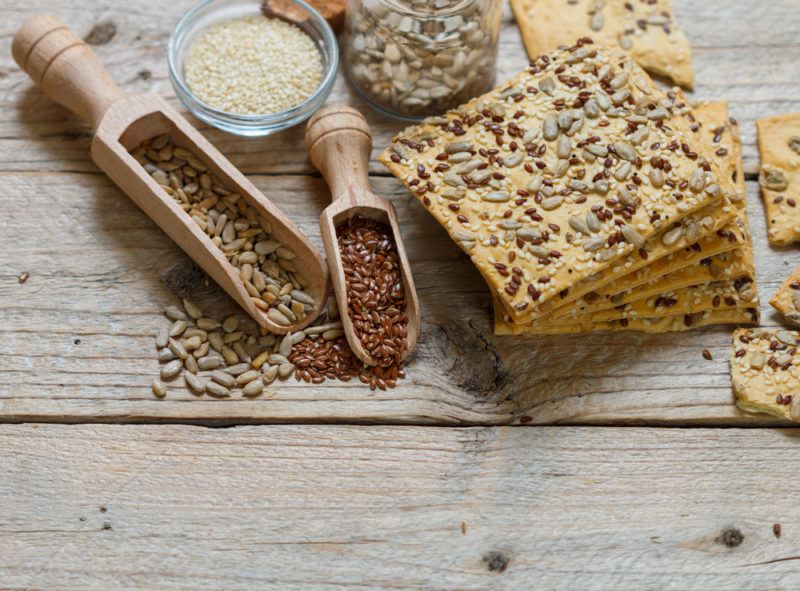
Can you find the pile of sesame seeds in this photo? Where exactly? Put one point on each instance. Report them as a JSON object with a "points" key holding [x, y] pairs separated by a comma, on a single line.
{"points": [[253, 66]]}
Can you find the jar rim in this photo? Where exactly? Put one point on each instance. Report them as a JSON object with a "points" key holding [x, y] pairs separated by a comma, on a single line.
{"points": [[405, 8]]}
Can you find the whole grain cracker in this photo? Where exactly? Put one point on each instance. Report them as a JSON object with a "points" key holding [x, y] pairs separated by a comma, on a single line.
{"points": [[764, 371], [647, 30], [779, 147], [577, 96], [787, 298]]}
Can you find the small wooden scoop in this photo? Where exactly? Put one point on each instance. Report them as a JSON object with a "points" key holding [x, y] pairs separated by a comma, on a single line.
{"points": [[339, 143], [72, 75]]}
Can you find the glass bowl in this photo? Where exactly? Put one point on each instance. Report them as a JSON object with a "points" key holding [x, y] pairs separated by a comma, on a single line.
{"points": [[210, 12]]}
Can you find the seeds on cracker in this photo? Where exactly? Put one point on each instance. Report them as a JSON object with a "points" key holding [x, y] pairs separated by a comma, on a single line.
{"points": [[505, 223], [764, 371]]}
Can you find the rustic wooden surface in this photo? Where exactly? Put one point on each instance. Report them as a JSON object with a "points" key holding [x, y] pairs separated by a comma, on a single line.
{"points": [[90, 506], [98, 265], [310, 507]]}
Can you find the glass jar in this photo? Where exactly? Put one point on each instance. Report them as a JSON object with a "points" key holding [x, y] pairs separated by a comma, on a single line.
{"points": [[415, 58]]}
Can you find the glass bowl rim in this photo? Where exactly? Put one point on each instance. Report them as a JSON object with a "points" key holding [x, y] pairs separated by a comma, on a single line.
{"points": [[328, 39]]}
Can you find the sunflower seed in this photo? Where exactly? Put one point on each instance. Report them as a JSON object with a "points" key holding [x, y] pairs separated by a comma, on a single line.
{"points": [[178, 327], [551, 203], [594, 243], [286, 345], [192, 309], [550, 127], [656, 178], [625, 151], [196, 384], [632, 236], [223, 378], [497, 196], [453, 147], [697, 182], [174, 313], [253, 389], [217, 390], [177, 348], [166, 354], [162, 337], [773, 179], [159, 389], [671, 237], [190, 364], [237, 369], [564, 147], [171, 369], [247, 377], [207, 363], [270, 374], [579, 225], [786, 337], [285, 370], [216, 341], [514, 159], [593, 222]]}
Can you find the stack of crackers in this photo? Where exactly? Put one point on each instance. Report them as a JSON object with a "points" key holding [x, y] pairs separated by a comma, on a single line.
{"points": [[589, 199]]}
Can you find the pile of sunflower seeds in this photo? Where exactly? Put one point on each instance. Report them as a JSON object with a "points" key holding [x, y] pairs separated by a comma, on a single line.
{"points": [[219, 358], [425, 58], [266, 267]]}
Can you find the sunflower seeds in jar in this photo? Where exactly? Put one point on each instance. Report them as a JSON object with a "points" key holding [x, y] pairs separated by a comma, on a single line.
{"points": [[416, 58]]}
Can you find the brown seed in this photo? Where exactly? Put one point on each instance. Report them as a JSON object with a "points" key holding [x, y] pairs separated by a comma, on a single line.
{"points": [[159, 389], [707, 355], [23, 277]]}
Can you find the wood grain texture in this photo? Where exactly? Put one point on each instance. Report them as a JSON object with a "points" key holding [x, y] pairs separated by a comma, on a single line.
{"points": [[313, 507], [76, 339], [100, 272], [744, 51]]}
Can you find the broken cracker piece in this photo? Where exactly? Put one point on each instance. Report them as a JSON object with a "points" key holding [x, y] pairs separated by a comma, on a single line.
{"points": [[779, 146], [647, 30], [764, 371], [787, 299]]}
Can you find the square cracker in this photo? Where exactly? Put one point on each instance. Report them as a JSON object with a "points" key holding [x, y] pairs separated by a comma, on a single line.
{"points": [[647, 30], [765, 372], [779, 147], [549, 147], [721, 134]]}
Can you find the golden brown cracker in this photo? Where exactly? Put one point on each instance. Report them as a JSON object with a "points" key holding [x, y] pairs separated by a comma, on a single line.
{"points": [[647, 30]]}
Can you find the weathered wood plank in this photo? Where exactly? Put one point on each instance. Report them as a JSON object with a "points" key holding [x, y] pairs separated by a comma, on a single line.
{"points": [[744, 52], [97, 268], [289, 507]]}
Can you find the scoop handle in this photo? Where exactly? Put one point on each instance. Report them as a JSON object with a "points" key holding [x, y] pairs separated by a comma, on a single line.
{"points": [[339, 144], [64, 67]]}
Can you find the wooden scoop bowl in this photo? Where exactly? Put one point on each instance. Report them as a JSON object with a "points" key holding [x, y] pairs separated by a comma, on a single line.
{"points": [[71, 74], [339, 144]]}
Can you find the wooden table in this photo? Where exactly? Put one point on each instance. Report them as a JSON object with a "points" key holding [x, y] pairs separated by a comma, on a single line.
{"points": [[634, 469]]}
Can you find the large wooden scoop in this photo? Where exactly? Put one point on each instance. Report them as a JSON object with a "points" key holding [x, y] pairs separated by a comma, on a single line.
{"points": [[71, 74], [339, 144]]}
